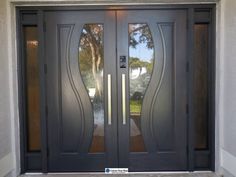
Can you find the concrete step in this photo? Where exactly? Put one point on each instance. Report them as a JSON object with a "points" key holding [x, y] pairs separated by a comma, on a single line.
{"points": [[187, 174]]}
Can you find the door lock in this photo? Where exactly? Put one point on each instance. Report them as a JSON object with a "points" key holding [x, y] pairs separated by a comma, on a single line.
{"points": [[122, 61]]}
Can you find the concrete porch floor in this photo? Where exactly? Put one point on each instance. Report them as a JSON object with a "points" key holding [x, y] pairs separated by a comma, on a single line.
{"points": [[194, 174]]}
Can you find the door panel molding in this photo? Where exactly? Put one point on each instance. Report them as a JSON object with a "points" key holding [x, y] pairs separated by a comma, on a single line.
{"points": [[154, 88], [67, 79]]}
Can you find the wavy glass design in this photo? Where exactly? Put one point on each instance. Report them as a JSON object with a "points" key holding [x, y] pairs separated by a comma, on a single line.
{"points": [[91, 68], [141, 56]]}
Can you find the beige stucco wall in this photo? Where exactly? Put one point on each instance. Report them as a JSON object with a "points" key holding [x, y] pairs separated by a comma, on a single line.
{"points": [[229, 77], [225, 80], [228, 116], [6, 151], [5, 145]]}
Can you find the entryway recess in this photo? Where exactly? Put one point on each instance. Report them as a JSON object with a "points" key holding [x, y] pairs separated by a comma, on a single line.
{"points": [[118, 87]]}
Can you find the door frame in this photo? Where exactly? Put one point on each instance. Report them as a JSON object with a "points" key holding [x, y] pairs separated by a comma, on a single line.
{"points": [[199, 13]]}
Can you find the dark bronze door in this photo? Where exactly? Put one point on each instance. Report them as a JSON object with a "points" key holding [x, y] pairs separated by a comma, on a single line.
{"points": [[80, 53], [152, 90], [116, 90]]}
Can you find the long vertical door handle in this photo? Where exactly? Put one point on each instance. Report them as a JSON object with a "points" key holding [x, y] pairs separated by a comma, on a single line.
{"points": [[109, 98], [123, 99]]}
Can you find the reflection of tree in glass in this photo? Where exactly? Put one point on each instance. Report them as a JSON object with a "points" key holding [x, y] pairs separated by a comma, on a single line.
{"points": [[91, 57], [140, 69], [136, 63], [141, 57], [91, 68], [142, 30]]}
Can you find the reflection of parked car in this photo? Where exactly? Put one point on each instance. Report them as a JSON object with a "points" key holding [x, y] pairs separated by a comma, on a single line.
{"points": [[137, 96]]}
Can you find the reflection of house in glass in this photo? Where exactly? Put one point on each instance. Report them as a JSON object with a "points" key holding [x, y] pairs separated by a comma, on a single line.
{"points": [[135, 73], [92, 92], [139, 79]]}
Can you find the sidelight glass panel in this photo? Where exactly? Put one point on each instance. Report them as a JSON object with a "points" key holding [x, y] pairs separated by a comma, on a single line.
{"points": [[91, 62], [32, 87], [200, 82], [141, 56]]}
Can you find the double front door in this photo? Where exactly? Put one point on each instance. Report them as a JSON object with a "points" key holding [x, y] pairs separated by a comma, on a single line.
{"points": [[116, 90]]}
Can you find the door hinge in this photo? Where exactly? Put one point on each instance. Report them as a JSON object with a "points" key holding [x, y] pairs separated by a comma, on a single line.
{"points": [[187, 67], [187, 109], [46, 111], [44, 26], [187, 22], [187, 149], [45, 69], [47, 151]]}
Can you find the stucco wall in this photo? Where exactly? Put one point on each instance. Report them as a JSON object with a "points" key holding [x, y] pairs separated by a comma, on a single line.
{"points": [[6, 156], [225, 81], [5, 146], [228, 145], [230, 77]]}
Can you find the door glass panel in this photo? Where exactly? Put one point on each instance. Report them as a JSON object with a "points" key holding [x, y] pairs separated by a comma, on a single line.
{"points": [[91, 68], [141, 56], [201, 85], [32, 88]]}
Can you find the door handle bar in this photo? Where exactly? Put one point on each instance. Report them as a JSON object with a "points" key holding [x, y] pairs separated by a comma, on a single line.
{"points": [[123, 100], [109, 98]]}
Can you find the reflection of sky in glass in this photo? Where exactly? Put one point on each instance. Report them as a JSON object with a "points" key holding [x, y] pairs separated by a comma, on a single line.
{"points": [[141, 51]]}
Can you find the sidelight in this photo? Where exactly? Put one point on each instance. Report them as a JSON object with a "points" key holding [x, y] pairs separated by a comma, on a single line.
{"points": [[201, 85], [32, 87]]}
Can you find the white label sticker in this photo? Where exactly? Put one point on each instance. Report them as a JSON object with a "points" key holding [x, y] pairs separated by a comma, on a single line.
{"points": [[116, 170]]}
